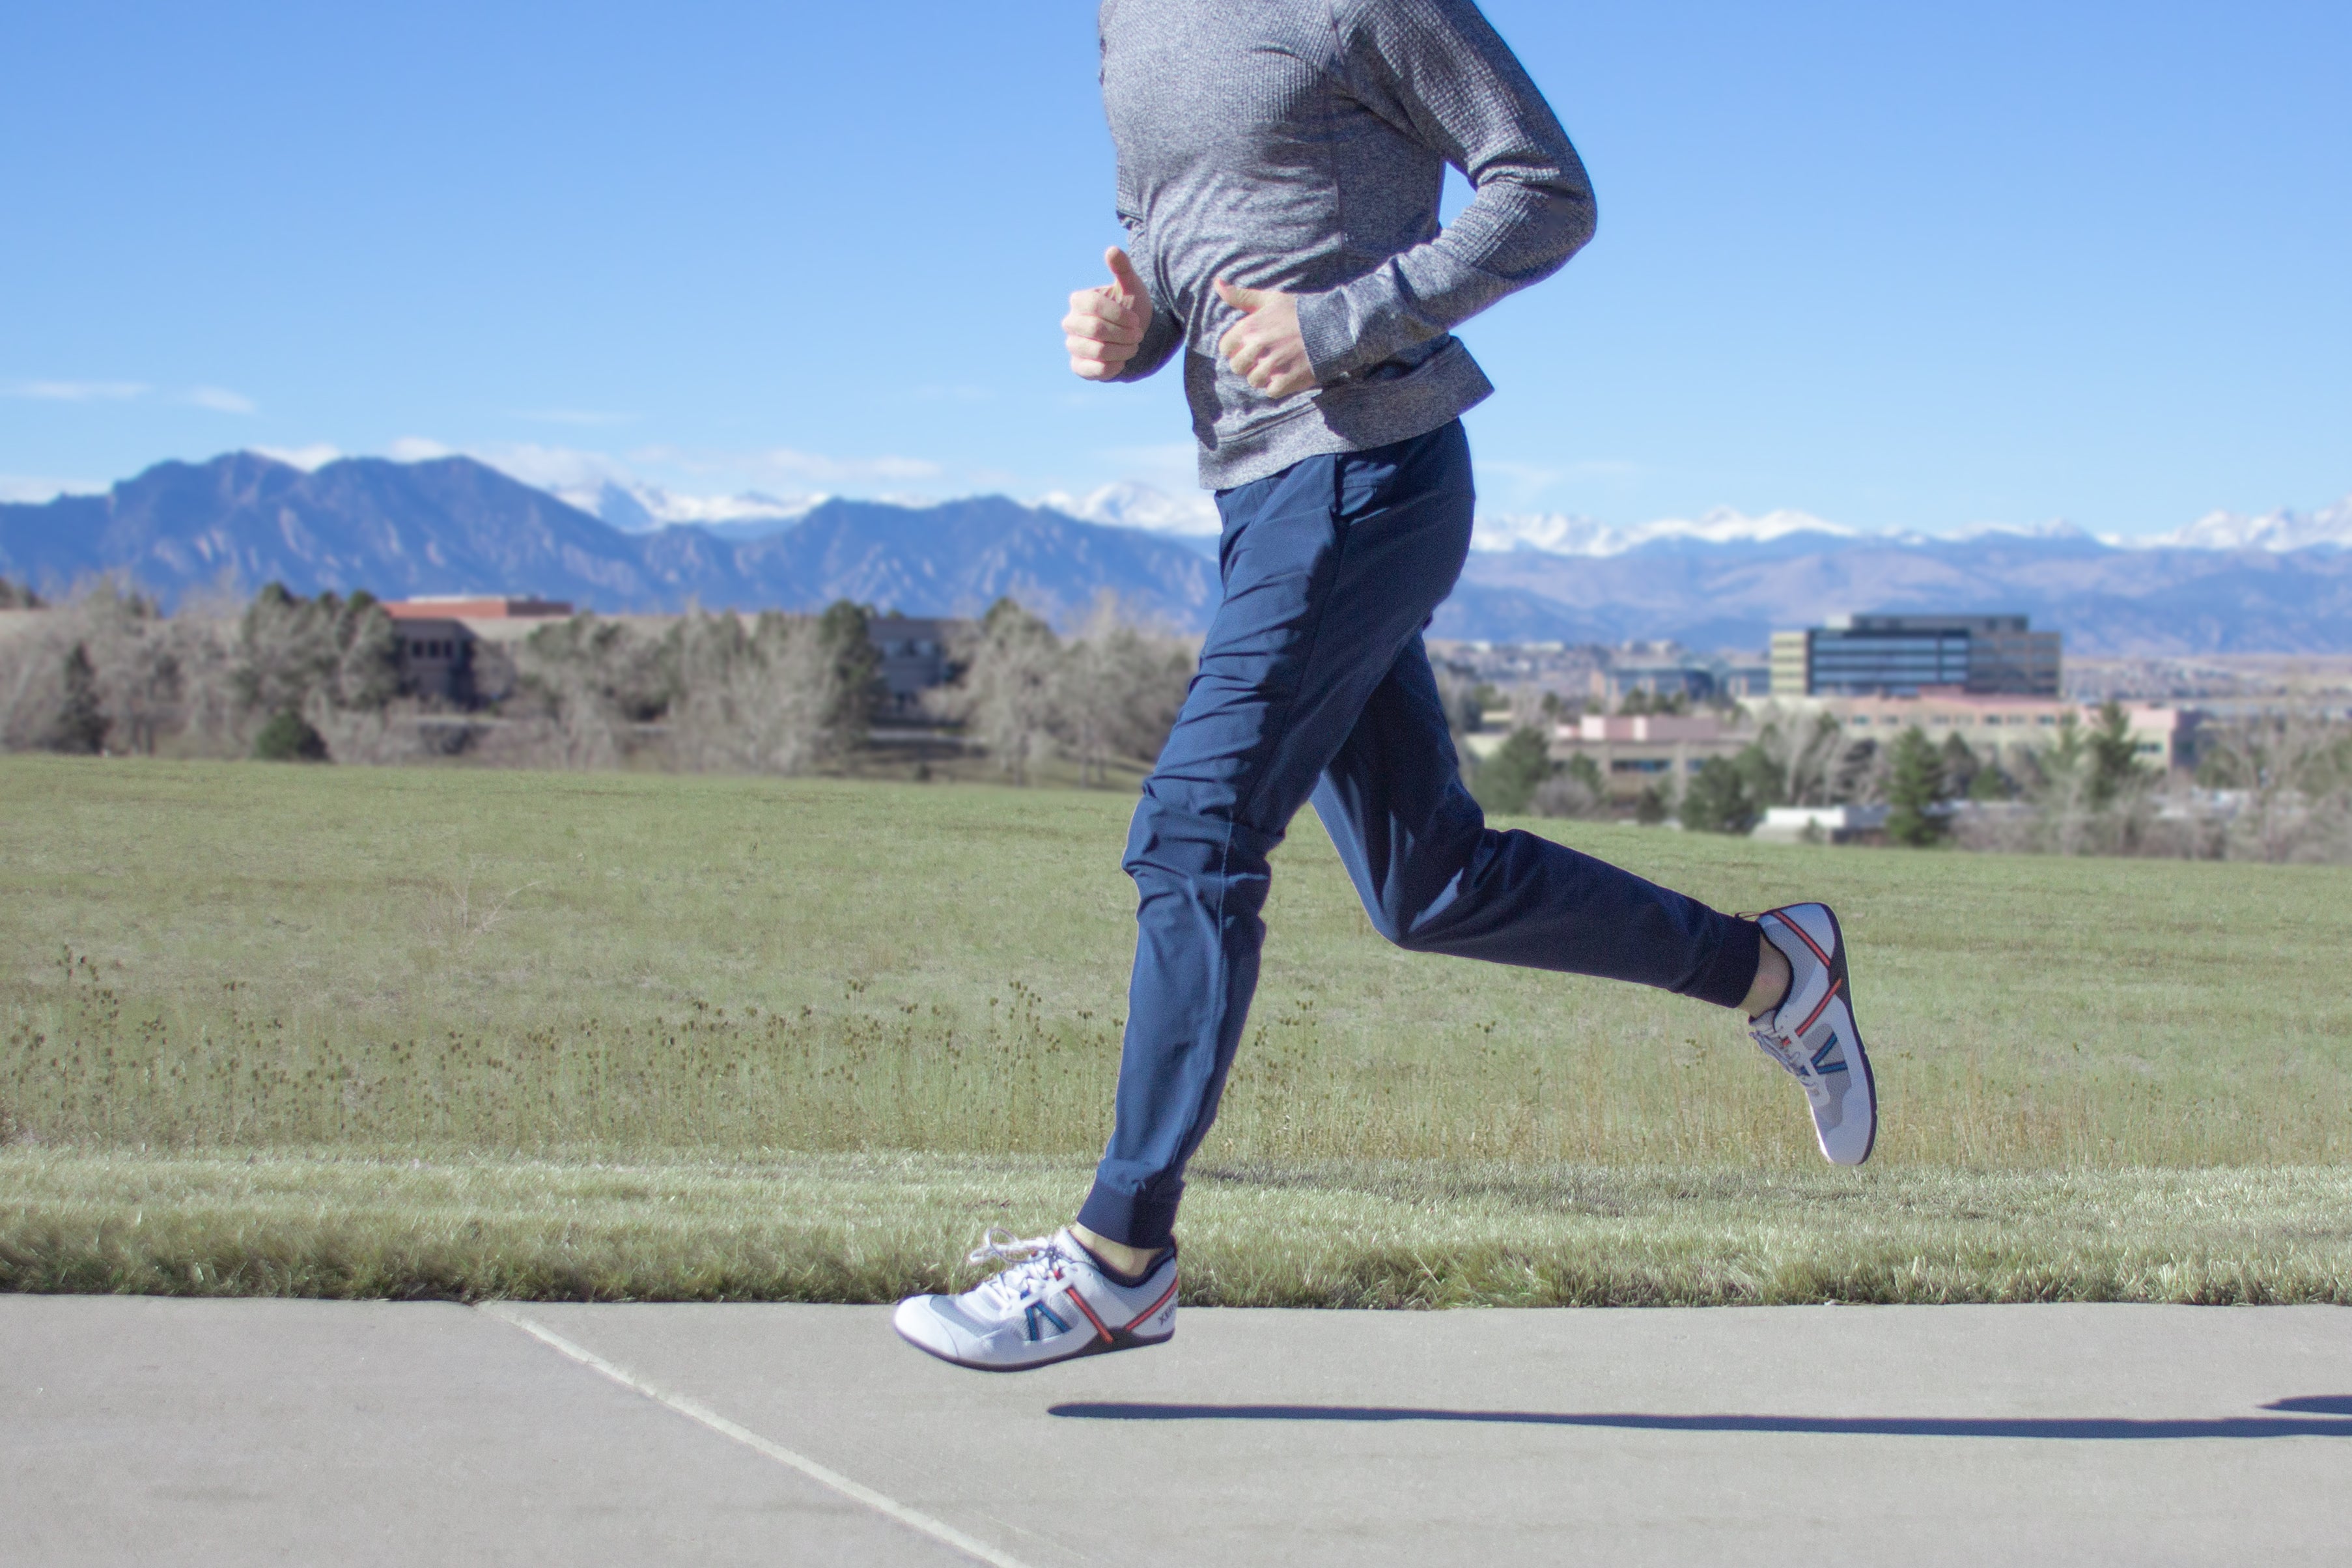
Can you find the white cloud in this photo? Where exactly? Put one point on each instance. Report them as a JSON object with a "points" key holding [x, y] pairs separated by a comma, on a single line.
{"points": [[318, 455], [549, 468], [417, 449], [18, 488], [219, 399], [78, 391], [1129, 503], [816, 468]]}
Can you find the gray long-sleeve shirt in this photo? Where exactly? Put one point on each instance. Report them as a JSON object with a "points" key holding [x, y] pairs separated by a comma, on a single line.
{"points": [[1301, 145]]}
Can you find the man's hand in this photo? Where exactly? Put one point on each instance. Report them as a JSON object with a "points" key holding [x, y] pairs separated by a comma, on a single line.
{"points": [[1105, 324], [1263, 347]]}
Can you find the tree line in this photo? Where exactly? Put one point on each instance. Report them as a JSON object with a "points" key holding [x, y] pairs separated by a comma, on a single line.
{"points": [[282, 677], [2275, 788]]}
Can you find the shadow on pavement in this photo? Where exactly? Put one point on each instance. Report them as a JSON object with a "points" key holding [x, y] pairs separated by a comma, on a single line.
{"points": [[2078, 1428]]}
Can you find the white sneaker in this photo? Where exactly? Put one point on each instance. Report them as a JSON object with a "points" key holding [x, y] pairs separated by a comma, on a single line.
{"points": [[1051, 1302], [1812, 1035]]}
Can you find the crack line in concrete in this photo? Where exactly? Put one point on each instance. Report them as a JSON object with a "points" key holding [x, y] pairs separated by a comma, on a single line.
{"points": [[913, 1519]]}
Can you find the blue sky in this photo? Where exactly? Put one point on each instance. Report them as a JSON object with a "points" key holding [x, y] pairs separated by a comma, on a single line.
{"points": [[1896, 266]]}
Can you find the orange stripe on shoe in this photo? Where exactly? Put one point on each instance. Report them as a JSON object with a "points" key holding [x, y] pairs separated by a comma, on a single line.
{"points": [[1823, 1006], [1802, 935], [1164, 1298], [1080, 1302]]}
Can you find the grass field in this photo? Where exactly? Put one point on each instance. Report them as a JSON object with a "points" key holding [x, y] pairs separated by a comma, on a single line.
{"points": [[738, 987]]}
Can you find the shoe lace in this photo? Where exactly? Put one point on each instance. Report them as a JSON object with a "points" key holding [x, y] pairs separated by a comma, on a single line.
{"points": [[1785, 1050], [1030, 1267]]}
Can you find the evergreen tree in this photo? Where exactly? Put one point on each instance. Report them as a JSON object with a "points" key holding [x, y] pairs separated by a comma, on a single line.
{"points": [[1915, 786], [1719, 799], [1763, 775], [78, 728], [846, 632], [1987, 784], [289, 738], [2114, 756], [1506, 783]]}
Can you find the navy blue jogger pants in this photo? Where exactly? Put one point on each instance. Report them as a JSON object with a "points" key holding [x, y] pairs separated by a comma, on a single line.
{"points": [[1314, 684]]}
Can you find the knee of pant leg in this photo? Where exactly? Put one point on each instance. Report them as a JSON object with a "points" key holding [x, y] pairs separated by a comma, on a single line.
{"points": [[1415, 935], [1168, 840], [1421, 918], [1414, 898]]}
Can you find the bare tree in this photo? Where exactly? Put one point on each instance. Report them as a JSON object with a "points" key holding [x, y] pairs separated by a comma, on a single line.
{"points": [[762, 699], [1805, 757], [581, 683], [142, 679], [2290, 777], [296, 656], [1012, 663], [1117, 692]]}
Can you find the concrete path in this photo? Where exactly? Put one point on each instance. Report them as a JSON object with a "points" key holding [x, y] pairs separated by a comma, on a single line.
{"points": [[233, 1432]]}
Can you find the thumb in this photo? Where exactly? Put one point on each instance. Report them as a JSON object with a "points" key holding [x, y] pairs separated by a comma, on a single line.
{"points": [[1243, 300], [1123, 273]]}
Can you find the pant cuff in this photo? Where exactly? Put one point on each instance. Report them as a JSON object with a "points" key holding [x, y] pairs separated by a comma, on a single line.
{"points": [[1128, 1219], [1730, 975]]}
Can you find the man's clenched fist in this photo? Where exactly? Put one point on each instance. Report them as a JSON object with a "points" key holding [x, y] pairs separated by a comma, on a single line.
{"points": [[1263, 347], [1106, 323]]}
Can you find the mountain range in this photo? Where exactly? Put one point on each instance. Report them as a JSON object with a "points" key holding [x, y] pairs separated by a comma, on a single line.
{"points": [[453, 525], [2282, 582]]}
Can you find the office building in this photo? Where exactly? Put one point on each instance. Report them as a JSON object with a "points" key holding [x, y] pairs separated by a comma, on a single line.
{"points": [[1903, 656]]}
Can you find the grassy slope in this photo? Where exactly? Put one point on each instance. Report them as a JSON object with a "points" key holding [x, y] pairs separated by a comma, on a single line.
{"points": [[871, 1227], [757, 970]]}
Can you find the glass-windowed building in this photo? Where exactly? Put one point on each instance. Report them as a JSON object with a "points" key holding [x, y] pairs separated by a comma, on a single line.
{"points": [[1902, 655]]}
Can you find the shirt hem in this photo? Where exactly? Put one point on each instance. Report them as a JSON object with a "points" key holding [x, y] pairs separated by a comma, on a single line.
{"points": [[1351, 418]]}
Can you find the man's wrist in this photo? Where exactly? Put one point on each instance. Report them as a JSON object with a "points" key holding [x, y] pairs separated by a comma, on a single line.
{"points": [[1326, 329]]}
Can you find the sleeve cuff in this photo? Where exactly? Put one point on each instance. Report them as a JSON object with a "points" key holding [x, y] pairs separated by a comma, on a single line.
{"points": [[1327, 325]]}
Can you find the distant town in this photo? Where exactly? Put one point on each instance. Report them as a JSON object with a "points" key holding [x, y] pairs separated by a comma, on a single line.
{"points": [[1914, 727]]}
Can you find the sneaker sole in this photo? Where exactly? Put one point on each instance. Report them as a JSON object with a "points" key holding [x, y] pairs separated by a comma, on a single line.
{"points": [[1839, 977], [1120, 1340]]}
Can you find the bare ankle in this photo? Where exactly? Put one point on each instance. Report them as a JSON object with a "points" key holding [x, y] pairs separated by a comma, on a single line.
{"points": [[1118, 1254], [1773, 975]]}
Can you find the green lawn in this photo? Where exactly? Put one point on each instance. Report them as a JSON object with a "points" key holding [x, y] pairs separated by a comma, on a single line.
{"points": [[527, 976]]}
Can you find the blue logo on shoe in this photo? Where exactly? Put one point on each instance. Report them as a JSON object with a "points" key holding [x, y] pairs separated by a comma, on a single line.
{"points": [[1037, 1312], [1822, 1063]]}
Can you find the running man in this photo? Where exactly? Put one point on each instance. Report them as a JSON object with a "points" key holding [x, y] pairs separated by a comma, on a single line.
{"points": [[1279, 165]]}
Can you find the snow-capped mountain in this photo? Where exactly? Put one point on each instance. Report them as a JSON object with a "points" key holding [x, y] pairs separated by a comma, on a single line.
{"points": [[2330, 526], [1128, 504], [452, 524], [634, 507], [1562, 533], [456, 525], [2056, 528]]}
